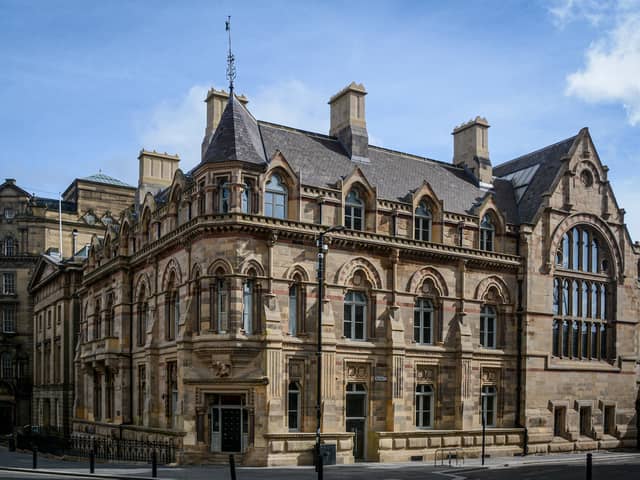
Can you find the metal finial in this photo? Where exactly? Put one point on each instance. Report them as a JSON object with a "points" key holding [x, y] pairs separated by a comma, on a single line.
{"points": [[231, 61]]}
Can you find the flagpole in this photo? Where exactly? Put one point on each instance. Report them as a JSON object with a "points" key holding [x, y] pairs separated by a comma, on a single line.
{"points": [[60, 221]]}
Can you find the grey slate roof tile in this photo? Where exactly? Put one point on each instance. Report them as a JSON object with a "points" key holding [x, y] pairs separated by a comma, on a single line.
{"points": [[550, 160], [321, 161], [237, 136]]}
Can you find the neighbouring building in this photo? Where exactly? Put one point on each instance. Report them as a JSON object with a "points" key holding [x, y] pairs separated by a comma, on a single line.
{"points": [[457, 292], [30, 226], [54, 288]]}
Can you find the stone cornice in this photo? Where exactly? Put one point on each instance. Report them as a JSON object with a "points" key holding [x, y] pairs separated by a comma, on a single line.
{"points": [[289, 229]]}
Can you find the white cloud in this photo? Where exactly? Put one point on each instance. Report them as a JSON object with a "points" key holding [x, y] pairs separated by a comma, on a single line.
{"points": [[593, 11], [612, 70], [178, 126], [292, 103]]}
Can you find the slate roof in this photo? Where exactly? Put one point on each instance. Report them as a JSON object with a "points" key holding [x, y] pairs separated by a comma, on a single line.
{"points": [[236, 137], [106, 179], [549, 161], [322, 161]]}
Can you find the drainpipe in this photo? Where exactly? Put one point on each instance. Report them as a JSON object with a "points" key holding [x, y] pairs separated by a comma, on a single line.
{"points": [[519, 320], [131, 297]]}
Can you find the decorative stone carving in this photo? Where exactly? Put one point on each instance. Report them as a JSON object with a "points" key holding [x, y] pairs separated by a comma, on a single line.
{"points": [[296, 369], [221, 366], [358, 371], [490, 375], [426, 373]]}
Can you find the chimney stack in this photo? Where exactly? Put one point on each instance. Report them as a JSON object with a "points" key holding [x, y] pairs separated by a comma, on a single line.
{"points": [[156, 172], [471, 149], [348, 121], [216, 102]]}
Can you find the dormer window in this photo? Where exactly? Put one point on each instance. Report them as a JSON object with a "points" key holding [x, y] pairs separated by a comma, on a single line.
{"points": [[423, 220], [487, 234], [275, 198], [354, 211]]}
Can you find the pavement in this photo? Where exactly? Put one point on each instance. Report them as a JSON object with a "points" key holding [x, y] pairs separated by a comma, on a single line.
{"points": [[619, 465]]}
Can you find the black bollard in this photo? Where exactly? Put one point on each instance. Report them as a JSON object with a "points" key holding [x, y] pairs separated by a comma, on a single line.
{"points": [[154, 464], [35, 457], [92, 461], [232, 467], [320, 465], [589, 465]]}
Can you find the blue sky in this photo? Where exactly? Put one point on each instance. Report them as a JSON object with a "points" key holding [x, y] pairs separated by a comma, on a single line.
{"points": [[85, 85]]}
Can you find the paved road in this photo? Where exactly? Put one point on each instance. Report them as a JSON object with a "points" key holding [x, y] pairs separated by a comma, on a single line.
{"points": [[553, 467]]}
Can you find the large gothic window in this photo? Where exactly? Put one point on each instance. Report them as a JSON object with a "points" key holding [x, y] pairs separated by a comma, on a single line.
{"points": [[354, 211], [218, 302], [581, 296], [275, 198], [487, 234], [423, 321], [143, 315], [355, 315], [423, 220], [424, 406]]}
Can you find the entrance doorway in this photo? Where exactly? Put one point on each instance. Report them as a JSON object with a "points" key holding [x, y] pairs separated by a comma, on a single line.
{"points": [[356, 418], [229, 423]]}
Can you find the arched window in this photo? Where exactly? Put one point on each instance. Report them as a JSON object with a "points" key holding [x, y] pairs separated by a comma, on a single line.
{"points": [[355, 314], [487, 233], [6, 365], [97, 322], [275, 198], [579, 327], [296, 307], [489, 397], [109, 316], [354, 211], [294, 409], [146, 227], [423, 321], [197, 307], [424, 406], [9, 246], [219, 302], [488, 326], [423, 221], [143, 316], [172, 309], [251, 304]]}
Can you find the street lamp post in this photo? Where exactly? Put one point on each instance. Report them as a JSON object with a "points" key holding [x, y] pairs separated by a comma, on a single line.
{"points": [[322, 249]]}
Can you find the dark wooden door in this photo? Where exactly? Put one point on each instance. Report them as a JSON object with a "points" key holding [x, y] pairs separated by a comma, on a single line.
{"points": [[231, 430]]}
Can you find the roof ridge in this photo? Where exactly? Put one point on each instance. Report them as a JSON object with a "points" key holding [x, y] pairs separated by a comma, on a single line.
{"points": [[513, 160], [411, 156], [296, 130]]}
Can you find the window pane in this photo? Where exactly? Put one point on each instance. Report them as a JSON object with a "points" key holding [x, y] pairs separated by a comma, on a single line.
{"points": [[347, 320], [555, 339], [565, 338], [575, 332]]}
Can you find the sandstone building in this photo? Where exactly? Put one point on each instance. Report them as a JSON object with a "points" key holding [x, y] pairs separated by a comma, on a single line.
{"points": [[457, 291], [29, 226]]}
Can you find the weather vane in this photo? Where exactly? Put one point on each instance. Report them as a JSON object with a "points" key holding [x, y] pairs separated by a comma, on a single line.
{"points": [[231, 61]]}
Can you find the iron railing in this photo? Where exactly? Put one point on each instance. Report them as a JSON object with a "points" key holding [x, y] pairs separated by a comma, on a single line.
{"points": [[124, 450]]}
